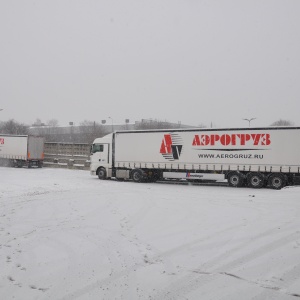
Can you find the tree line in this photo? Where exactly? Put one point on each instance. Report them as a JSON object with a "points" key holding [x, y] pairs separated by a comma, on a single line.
{"points": [[87, 131]]}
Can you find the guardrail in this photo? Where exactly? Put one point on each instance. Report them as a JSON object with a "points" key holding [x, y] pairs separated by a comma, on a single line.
{"points": [[67, 155]]}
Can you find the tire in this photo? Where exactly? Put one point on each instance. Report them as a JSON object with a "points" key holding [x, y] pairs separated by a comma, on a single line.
{"points": [[277, 181], [235, 179], [137, 175], [256, 180], [102, 174], [19, 164], [154, 177]]}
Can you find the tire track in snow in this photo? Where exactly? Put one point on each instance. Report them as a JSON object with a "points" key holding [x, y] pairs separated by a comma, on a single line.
{"points": [[126, 258], [157, 257], [286, 279], [127, 264], [190, 282]]}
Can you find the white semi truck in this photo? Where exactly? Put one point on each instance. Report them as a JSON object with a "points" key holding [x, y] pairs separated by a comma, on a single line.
{"points": [[255, 157], [21, 150]]}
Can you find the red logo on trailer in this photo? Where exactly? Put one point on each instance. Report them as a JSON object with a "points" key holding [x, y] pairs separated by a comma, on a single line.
{"points": [[2, 141], [171, 146], [239, 139]]}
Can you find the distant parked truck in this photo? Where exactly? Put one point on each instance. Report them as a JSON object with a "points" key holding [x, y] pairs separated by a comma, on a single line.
{"points": [[255, 157], [21, 150]]}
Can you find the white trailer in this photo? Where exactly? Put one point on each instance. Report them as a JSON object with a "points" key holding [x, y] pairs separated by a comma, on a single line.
{"points": [[256, 157], [21, 150]]}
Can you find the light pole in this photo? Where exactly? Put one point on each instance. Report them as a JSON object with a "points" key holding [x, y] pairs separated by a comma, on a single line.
{"points": [[112, 124], [249, 120], [126, 122], [71, 131]]}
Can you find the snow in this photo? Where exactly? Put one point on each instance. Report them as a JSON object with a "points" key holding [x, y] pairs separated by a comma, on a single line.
{"points": [[67, 235]]}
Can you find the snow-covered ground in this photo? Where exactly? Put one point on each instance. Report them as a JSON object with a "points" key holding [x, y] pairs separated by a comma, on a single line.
{"points": [[67, 235]]}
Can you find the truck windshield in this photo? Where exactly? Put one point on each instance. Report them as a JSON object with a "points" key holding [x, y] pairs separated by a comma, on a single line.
{"points": [[97, 148]]}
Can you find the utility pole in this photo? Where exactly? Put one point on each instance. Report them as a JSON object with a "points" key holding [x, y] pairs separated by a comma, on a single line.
{"points": [[112, 124]]}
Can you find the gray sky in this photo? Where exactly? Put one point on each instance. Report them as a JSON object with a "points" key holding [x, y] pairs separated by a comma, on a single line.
{"points": [[178, 60]]}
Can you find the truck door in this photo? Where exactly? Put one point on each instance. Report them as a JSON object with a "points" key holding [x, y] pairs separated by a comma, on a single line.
{"points": [[100, 154]]}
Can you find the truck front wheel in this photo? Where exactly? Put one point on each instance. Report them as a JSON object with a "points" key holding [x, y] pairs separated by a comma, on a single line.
{"points": [[102, 174]]}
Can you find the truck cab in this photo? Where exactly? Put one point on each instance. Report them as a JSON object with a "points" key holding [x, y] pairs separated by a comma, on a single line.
{"points": [[101, 157]]}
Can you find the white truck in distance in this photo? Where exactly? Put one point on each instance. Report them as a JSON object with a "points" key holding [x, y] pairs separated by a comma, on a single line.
{"points": [[21, 150], [255, 157]]}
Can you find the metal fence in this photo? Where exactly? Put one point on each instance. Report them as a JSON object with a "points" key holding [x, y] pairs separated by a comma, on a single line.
{"points": [[67, 155]]}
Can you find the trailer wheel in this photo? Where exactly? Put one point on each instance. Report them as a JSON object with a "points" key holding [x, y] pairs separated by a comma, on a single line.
{"points": [[102, 174], [137, 175], [235, 179], [277, 181], [154, 177], [256, 180]]}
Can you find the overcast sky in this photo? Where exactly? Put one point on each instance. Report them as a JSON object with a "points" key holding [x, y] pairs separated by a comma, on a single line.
{"points": [[198, 62]]}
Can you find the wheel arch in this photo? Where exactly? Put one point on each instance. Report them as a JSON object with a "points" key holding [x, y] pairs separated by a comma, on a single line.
{"points": [[99, 168]]}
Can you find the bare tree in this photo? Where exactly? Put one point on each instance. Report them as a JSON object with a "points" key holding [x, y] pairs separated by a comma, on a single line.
{"points": [[89, 130], [38, 122], [51, 130], [13, 127], [155, 124], [281, 122], [52, 122]]}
